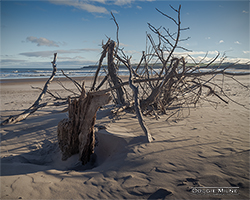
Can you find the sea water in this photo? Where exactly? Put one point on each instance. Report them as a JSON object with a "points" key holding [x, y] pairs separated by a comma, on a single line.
{"points": [[24, 73], [88, 71]]}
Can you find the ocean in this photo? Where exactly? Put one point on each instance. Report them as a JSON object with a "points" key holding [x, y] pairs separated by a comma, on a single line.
{"points": [[25, 73]]}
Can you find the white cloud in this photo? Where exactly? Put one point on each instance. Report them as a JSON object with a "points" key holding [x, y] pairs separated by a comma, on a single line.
{"points": [[114, 11], [123, 45], [89, 5], [237, 42], [100, 1], [210, 58], [83, 5], [125, 2], [92, 8], [240, 60], [122, 2], [200, 55], [131, 52], [221, 41], [196, 53], [244, 11], [42, 41], [83, 19]]}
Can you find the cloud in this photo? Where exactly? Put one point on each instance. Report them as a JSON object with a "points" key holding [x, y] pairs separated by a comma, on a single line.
{"points": [[83, 19], [83, 5], [237, 42], [42, 41], [131, 52], [76, 63], [122, 2], [221, 41], [100, 1], [244, 11], [49, 53], [210, 58], [88, 49], [3, 61], [114, 11], [90, 5], [203, 53], [200, 55], [123, 45]]}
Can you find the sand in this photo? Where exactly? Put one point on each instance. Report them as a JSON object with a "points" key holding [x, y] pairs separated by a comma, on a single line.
{"points": [[207, 148]]}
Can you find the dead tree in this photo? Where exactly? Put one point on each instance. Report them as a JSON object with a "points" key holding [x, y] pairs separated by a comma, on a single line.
{"points": [[113, 73], [109, 48], [76, 134], [164, 80]]}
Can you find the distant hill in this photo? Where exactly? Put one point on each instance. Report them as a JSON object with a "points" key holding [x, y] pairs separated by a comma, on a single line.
{"points": [[214, 65]]}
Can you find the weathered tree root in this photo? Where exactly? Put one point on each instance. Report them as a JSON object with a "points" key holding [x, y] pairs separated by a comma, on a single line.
{"points": [[76, 134]]}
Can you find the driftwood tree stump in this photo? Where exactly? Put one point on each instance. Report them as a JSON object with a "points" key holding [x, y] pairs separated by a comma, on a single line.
{"points": [[76, 134]]}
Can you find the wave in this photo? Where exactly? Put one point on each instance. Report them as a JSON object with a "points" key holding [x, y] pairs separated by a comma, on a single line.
{"points": [[12, 73]]}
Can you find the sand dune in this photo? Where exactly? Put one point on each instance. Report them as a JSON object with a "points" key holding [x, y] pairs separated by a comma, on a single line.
{"points": [[208, 148]]}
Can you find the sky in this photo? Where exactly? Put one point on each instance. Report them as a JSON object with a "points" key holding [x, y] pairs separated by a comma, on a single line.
{"points": [[31, 31]]}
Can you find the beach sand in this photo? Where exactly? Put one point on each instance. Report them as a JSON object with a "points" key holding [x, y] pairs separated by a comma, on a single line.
{"points": [[207, 148]]}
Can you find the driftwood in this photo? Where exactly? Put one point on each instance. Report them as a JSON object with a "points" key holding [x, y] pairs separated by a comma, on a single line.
{"points": [[161, 83], [36, 105], [113, 74], [76, 134], [137, 106], [165, 82]]}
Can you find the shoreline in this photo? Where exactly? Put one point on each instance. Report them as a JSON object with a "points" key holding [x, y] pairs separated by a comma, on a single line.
{"points": [[29, 80], [43, 80]]}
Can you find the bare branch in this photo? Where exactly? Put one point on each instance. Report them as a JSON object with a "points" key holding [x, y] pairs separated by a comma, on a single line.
{"points": [[35, 106], [167, 16], [137, 106], [117, 31], [104, 52], [78, 86]]}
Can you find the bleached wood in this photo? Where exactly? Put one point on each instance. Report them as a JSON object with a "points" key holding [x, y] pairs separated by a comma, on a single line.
{"points": [[76, 134], [113, 73], [137, 107]]}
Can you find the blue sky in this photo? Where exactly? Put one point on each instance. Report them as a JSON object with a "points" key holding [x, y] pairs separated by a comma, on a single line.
{"points": [[31, 31]]}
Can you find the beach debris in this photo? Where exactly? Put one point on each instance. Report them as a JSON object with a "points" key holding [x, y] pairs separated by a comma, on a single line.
{"points": [[137, 106], [37, 104], [163, 82], [76, 134]]}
